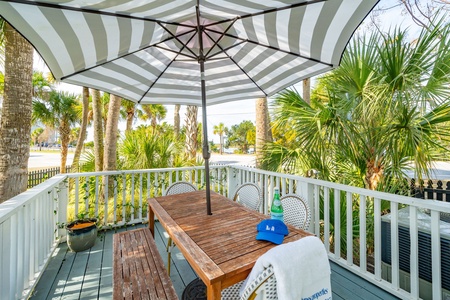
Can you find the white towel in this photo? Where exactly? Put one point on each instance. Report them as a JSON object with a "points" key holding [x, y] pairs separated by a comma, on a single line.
{"points": [[301, 268]]}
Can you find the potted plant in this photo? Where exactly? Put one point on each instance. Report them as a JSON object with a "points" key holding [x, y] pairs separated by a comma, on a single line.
{"points": [[81, 234]]}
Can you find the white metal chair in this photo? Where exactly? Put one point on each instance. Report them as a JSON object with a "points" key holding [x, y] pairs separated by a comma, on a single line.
{"points": [[176, 188], [180, 187], [311, 259], [266, 280], [296, 211], [249, 195]]}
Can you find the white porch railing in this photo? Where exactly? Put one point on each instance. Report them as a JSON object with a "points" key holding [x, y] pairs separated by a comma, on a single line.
{"points": [[29, 222]]}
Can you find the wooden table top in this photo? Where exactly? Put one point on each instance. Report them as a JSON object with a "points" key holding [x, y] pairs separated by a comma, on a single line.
{"points": [[222, 247]]}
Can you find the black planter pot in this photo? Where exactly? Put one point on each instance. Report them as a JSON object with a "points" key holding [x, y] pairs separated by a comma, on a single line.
{"points": [[81, 234]]}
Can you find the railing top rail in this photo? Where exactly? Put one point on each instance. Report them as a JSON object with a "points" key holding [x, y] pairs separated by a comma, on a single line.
{"points": [[430, 204], [10, 206], [120, 172]]}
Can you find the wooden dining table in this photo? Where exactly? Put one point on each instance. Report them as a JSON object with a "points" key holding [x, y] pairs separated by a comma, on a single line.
{"points": [[222, 247]]}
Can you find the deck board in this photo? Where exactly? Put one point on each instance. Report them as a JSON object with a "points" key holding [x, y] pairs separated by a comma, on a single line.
{"points": [[88, 274]]}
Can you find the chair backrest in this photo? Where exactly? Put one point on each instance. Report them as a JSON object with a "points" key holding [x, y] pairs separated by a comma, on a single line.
{"points": [[248, 195], [307, 272], [180, 187], [296, 211], [265, 281]]}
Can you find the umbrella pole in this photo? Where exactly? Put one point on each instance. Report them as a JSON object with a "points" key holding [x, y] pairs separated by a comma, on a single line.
{"points": [[205, 149]]}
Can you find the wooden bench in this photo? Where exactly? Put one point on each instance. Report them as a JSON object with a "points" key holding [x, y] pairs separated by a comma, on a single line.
{"points": [[138, 269]]}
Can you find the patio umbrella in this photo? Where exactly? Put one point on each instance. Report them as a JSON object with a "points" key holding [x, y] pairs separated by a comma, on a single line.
{"points": [[190, 52]]}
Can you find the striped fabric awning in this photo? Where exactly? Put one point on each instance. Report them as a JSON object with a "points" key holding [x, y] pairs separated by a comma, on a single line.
{"points": [[148, 51]]}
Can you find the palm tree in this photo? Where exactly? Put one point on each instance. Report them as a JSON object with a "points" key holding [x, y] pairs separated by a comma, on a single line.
{"points": [[191, 132], [220, 130], [83, 129], [15, 125], [58, 112], [176, 120], [147, 148], [36, 134], [155, 112], [97, 110], [263, 130], [129, 110], [111, 133], [381, 109], [41, 85]]}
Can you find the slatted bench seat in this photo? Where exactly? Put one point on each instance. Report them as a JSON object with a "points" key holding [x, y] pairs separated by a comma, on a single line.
{"points": [[138, 269]]}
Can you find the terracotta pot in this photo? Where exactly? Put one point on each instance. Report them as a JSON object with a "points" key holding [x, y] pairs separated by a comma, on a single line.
{"points": [[81, 234]]}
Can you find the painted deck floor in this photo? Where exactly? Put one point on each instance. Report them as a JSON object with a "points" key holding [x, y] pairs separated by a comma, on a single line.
{"points": [[88, 274]]}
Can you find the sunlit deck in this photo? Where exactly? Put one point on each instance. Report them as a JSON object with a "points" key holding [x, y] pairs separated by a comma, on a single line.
{"points": [[88, 274]]}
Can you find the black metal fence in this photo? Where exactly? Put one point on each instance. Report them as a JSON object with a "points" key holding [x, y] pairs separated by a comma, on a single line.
{"points": [[431, 189], [38, 176]]}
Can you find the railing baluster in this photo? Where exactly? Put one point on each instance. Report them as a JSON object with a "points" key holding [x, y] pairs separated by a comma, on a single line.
{"points": [[77, 189], [436, 255], [377, 238], [16, 254], [362, 233], [132, 216], [140, 196], [115, 182], [96, 197], [6, 279], [326, 218], [86, 196], [106, 196], [394, 246], [349, 208], [124, 198], [337, 224], [317, 209], [414, 259]]}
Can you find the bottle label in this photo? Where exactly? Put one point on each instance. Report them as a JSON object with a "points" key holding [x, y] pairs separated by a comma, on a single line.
{"points": [[277, 202], [277, 216]]}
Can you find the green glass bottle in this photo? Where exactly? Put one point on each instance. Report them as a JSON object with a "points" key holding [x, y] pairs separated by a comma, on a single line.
{"points": [[276, 210]]}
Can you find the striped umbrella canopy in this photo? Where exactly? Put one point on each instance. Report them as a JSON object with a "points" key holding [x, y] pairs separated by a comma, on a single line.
{"points": [[189, 52]]}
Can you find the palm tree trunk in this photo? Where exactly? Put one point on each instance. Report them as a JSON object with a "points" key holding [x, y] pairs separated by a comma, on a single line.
{"points": [[263, 131], [191, 132], [130, 117], [111, 135], [83, 129], [64, 133], [15, 121], [374, 174], [307, 90], [176, 120], [98, 130], [112, 124]]}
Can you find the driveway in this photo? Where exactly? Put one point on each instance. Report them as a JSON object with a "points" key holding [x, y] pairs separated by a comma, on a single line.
{"points": [[47, 159]]}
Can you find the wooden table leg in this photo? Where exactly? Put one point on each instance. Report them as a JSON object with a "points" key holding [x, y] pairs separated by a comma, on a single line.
{"points": [[151, 221], [213, 291]]}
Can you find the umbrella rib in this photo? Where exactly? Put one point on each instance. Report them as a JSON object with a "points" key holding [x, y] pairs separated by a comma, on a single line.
{"points": [[168, 65], [176, 38], [242, 70], [127, 54], [221, 36], [93, 11], [269, 11], [275, 48], [225, 50], [174, 51]]}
